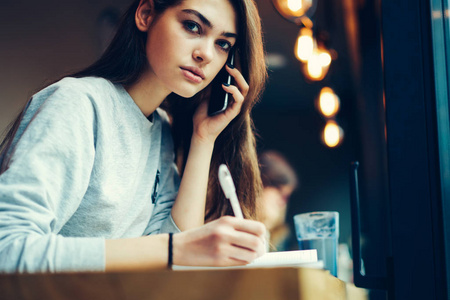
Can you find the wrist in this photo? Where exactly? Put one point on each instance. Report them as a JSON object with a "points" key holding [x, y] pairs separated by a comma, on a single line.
{"points": [[177, 246], [200, 141]]}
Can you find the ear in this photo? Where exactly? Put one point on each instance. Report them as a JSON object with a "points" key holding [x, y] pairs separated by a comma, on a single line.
{"points": [[143, 16]]}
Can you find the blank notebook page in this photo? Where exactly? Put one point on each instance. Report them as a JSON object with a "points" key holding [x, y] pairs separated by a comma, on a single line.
{"points": [[270, 260]]}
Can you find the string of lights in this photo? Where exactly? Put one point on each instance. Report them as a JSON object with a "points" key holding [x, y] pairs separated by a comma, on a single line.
{"points": [[315, 60]]}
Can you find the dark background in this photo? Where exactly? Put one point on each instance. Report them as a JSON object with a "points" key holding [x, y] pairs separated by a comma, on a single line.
{"points": [[287, 120]]}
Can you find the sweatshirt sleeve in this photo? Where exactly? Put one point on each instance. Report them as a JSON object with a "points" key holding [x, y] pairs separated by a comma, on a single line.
{"points": [[48, 171], [169, 182], [161, 221]]}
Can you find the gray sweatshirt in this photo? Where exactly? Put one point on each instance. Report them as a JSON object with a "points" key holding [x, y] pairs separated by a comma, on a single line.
{"points": [[85, 165]]}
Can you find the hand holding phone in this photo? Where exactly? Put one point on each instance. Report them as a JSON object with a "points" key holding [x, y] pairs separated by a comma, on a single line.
{"points": [[219, 100]]}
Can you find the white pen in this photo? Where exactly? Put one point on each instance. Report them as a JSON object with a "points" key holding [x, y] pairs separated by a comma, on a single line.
{"points": [[226, 182]]}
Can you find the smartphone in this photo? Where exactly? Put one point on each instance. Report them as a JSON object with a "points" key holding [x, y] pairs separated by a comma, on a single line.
{"points": [[219, 99]]}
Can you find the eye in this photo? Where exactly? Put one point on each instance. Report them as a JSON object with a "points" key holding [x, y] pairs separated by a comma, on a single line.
{"points": [[192, 26], [225, 45]]}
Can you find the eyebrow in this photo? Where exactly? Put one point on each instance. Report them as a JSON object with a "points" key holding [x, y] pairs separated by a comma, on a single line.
{"points": [[207, 22]]}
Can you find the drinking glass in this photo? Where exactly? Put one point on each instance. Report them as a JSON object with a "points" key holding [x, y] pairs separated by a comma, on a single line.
{"points": [[320, 231]]}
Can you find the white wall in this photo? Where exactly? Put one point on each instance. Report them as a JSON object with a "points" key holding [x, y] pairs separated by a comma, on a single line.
{"points": [[42, 40]]}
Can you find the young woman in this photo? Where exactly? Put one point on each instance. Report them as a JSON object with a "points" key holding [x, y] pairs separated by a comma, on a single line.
{"points": [[87, 178]]}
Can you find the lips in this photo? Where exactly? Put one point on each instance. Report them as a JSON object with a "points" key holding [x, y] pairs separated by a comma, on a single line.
{"points": [[193, 74]]}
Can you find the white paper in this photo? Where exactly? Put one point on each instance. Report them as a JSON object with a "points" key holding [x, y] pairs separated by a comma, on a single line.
{"points": [[307, 258]]}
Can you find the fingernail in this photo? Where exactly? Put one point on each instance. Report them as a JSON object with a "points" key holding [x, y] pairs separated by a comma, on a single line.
{"points": [[230, 66], [226, 84]]}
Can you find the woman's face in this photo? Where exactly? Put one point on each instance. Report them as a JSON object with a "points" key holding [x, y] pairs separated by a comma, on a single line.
{"points": [[189, 43]]}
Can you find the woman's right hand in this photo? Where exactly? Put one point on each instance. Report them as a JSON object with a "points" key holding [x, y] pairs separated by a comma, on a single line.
{"points": [[228, 241]]}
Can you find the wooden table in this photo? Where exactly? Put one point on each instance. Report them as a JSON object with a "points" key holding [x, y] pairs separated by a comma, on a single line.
{"points": [[243, 284]]}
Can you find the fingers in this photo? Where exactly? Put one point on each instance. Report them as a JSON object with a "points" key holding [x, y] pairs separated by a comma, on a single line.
{"points": [[227, 241], [241, 256], [237, 248], [246, 234], [239, 91], [235, 92], [250, 226], [245, 225], [231, 255], [239, 79], [248, 242]]}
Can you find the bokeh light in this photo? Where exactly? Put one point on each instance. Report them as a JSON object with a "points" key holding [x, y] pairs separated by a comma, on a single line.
{"points": [[304, 46], [294, 5], [328, 102], [292, 8], [317, 65], [332, 134]]}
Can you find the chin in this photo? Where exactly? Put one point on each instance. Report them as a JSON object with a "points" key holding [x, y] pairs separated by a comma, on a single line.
{"points": [[186, 93]]}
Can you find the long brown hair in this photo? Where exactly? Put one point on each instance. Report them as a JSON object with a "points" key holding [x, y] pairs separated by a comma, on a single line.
{"points": [[124, 61], [236, 145]]}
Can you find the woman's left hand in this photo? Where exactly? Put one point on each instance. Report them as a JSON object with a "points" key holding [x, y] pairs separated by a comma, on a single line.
{"points": [[208, 128]]}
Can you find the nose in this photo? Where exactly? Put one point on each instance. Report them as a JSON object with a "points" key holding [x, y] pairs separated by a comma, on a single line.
{"points": [[204, 52]]}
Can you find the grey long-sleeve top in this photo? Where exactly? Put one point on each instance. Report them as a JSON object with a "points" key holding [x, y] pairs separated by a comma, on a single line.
{"points": [[85, 165]]}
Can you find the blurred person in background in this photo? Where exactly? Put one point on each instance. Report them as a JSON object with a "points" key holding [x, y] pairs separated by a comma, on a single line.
{"points": [[279, 182]]}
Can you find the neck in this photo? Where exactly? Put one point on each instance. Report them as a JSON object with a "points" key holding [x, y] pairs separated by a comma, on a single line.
{"points": [[148, 93]]}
